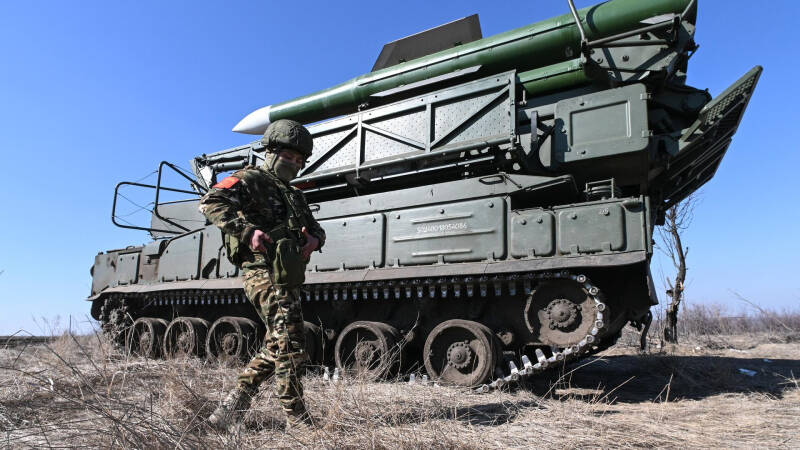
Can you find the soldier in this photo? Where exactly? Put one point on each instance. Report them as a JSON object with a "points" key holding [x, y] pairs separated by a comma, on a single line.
{"points": [[270, 233]]}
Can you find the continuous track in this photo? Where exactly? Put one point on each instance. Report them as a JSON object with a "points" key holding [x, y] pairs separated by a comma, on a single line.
{"points": [[454, 287]]}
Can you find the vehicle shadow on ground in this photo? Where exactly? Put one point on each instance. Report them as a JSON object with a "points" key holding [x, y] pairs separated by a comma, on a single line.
{"points": [[647, 378], [487, 414]]}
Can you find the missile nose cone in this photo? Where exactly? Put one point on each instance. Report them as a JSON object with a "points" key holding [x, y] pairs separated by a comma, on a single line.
{"points": [[254, 123]]}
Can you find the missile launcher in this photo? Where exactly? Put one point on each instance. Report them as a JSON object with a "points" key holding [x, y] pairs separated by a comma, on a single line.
{"points": [[488, 202], [539, 52]]}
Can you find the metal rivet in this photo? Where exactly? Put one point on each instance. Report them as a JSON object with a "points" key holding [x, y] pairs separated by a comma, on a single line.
{"points": [[397, 216], [573, 216], [441, 211], [539, 219], [491, 205], [523, 222]]}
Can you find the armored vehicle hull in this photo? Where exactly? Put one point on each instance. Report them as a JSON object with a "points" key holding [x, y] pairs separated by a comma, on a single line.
{"points": [[479, 229]]}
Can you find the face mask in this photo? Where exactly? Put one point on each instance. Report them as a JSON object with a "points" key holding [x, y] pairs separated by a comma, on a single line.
{"points": [[284, 170]]}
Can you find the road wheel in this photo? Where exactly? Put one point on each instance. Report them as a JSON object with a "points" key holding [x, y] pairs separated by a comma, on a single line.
{"points": [[460, 352], [185, 336], [145, 337], [232, 338], [368, 350]]}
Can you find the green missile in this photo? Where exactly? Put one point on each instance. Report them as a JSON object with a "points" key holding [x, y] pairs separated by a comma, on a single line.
{"points": [[543, 53]]}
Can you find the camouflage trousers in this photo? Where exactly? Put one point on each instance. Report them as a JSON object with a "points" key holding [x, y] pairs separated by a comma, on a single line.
{"points": [[283, 351]]}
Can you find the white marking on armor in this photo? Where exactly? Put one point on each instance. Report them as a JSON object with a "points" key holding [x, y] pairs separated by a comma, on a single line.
{"points": [[443, 227], [435, 232]]}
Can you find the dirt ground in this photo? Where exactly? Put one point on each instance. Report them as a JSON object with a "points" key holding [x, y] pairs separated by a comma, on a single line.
{"points": [[729, 391]]}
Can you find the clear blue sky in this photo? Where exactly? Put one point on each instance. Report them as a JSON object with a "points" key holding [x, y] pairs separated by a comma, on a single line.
{"points": [[93, 93]]}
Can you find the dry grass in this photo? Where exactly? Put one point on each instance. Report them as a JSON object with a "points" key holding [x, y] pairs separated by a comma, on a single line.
{"points": [[79, 391], [703, 321]]}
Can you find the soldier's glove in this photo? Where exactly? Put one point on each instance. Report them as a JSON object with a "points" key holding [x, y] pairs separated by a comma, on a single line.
{"points": [[312, 243], [259, 241]]}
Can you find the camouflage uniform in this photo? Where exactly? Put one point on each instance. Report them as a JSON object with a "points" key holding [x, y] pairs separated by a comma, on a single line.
{"points": [[254, 198]]}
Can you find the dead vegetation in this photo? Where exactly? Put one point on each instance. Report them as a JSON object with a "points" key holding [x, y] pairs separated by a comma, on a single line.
{"points": [[731, 383]]}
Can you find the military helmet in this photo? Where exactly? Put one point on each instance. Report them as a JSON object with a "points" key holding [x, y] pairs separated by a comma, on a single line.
{"points": [[285, 133]]}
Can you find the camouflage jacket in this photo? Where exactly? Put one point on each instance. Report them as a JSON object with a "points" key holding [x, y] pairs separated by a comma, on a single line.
{"points": [[253, 198]]}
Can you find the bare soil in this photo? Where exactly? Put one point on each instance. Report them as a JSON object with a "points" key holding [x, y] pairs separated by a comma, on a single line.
{"points": [[80, 392]]}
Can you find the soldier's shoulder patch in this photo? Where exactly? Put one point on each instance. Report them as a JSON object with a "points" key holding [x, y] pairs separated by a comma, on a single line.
{"points": [[227, 183]]}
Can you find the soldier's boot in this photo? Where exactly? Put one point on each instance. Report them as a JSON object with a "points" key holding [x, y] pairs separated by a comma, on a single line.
{"points": [[232, 408], [299, 420]]}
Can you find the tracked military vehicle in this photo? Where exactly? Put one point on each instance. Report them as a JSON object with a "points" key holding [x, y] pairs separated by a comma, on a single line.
{"points": [[489, 202]]}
